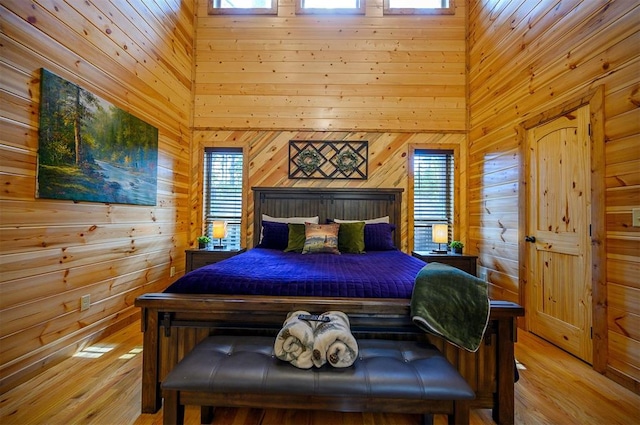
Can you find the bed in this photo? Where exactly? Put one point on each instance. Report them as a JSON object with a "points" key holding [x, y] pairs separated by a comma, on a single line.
{"points": [[267, 271], [174, 321]]}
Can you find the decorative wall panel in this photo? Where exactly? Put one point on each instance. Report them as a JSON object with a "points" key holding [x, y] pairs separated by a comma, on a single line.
{"points": [[325, 159]]}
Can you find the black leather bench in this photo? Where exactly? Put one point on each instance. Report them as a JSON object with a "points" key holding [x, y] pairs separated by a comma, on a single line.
{"points": [[388, 376]]}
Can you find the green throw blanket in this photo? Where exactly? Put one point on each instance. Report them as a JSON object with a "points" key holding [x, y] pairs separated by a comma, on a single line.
{"points": [[451, 303]]}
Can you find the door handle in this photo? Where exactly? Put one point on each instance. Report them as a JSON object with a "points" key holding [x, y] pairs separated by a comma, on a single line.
{"points": [[531, 239]]}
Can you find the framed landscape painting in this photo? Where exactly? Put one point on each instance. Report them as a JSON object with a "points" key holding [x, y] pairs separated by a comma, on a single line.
{"points": [[90, 150]]}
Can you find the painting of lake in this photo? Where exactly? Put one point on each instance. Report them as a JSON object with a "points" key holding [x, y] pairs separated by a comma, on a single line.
{"points": [[90, 150]]}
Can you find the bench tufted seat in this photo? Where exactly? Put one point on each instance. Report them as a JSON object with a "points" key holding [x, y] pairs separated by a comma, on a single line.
{"points": [[390, 376]]}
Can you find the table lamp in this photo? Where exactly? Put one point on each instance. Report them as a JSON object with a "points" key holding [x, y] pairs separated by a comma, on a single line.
{"points": [[440, 235], [219, 232]]}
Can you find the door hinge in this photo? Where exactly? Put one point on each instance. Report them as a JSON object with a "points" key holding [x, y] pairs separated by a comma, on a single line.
{"points": [[590, 231], [592, 332], [589, 129]]}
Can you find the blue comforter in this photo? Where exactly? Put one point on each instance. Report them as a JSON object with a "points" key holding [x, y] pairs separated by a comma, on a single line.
{"points": [[259, 271]]}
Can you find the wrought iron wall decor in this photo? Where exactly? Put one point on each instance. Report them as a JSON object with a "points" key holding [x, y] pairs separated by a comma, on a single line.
{"points": [[324, 159]]}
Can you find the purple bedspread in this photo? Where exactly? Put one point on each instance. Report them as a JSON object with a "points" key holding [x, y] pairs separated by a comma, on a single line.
{"points": [[259, 271]]}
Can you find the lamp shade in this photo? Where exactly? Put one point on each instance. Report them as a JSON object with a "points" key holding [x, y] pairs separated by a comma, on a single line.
{"points": [[219, 229], [440, 233]]}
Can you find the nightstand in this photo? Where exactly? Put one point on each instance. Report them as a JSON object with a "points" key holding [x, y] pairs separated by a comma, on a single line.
{"points": [[197, 258], [463, 262]]}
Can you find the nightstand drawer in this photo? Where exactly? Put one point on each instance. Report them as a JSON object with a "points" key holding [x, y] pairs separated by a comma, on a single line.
{"points": [[196, 258], [463, 262]]}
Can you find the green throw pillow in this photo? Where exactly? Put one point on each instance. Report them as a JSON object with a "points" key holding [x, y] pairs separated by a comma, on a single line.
{"points": [[351, 237], [296, 238]]}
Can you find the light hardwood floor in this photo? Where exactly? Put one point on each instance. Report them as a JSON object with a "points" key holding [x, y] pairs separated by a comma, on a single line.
{"points": [[554, 388]]}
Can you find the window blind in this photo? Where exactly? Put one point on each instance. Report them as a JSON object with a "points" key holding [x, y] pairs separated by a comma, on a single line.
{"points": [[330, 4], [222, 193], [242, 4], [433, 195], [418, 4]]}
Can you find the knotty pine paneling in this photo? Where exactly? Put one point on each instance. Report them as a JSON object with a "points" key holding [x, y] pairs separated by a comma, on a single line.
{"points": [[525, 57], [326, 72], [395, 81], [138, 56], [267, 158]]}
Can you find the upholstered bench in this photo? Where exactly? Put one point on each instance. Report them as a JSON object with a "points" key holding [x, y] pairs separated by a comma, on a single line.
{"points": [[388, 376]]}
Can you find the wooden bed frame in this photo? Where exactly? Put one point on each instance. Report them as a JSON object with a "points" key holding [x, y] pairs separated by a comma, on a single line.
{"points": [[174, 323]]}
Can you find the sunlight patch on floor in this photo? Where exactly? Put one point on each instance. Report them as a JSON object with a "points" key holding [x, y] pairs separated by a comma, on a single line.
{"points": [[94, 351], [131, 354]]}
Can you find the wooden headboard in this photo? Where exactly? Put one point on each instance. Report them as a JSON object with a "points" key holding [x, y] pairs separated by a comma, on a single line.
{"points": [[328, 203]]}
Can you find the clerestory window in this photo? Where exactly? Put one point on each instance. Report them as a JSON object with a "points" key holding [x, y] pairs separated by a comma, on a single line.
{"points": [[330, 6], [249, 7], [417, 7]]}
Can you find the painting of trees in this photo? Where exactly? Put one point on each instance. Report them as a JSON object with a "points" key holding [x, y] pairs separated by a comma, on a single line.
{"points": [[90, 150]]}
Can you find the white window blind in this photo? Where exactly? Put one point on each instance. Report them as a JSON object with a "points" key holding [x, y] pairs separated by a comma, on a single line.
{"points": [[330, 4], [433, 195], [241, 4], [418, 7], [418, 4], [222, 194], [249, 7]]}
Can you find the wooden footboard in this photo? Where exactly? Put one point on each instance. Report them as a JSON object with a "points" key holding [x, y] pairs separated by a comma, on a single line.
{"points": [[174, 323]]}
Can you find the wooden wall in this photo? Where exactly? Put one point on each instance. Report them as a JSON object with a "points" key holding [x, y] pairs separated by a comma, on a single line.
{"points": [[139, 56], [399, 82], [526, 57], [267, 158], [327, 72], [396, 81]]}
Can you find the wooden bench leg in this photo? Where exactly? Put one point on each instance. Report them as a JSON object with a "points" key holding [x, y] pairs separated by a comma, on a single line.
{"points": [[461, 413], [504, 405], [151, 392], [173, 411], [206, 414]]}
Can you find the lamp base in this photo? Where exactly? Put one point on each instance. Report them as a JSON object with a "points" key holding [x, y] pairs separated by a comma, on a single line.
{"points": [[439, 251], [218, 247]]}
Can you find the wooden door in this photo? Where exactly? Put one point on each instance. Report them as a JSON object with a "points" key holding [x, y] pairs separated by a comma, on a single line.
{"points": [[558, 252]]}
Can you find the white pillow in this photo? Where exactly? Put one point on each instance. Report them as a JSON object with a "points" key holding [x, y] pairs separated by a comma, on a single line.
{"points": [[298, 220], [384, 219]]}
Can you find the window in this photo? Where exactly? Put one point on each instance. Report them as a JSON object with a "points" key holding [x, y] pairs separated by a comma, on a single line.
{"points": [[222, 193], [417, 7], [253, 7], [433, 195], [418, 4], [330, 6]]}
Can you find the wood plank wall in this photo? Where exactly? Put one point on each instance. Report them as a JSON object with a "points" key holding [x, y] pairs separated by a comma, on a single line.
{"points": [[139, 56], [328, 72], [267, 158], [526, 57], [396, 81]]}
